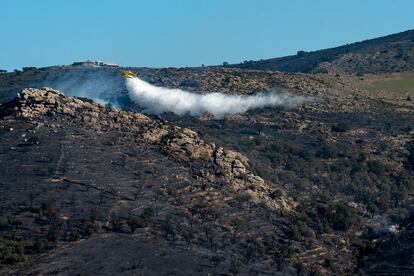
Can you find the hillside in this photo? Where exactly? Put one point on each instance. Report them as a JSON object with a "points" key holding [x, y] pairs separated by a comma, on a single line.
{"points": [[81, 180], [392, 53], [325, 186], [72, 182], [73, 176]]}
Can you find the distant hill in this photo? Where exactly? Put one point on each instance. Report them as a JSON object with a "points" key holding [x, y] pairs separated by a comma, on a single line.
{"points": [[106, 83], [392, 53]]}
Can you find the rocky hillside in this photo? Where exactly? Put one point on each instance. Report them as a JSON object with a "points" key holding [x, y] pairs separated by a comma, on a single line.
{"points": [[81, 181], [232, 80], [393, 53]]}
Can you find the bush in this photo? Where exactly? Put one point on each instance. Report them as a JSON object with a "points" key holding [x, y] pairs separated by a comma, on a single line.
{"points": [[235, 268], [74, 235], [299, 230], [341, 127], [286, 251], [47, 208], [343, 217], [134, 223], [375, 167], [276, 194], [91, 227], [115, 223], [12, 251], [262, 171], [53, 234], [306, 231], [40, 245], [13, 258], [95, 215], [294, 232], [306, 155], [326, 152]]}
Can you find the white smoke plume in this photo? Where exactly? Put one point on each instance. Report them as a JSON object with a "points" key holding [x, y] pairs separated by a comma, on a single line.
{"points": [[102, 86], [156, 100]]}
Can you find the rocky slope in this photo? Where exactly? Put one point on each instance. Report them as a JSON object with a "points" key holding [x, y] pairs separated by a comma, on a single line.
{"points": [[80, 180], [343, 157], [84, 185]]}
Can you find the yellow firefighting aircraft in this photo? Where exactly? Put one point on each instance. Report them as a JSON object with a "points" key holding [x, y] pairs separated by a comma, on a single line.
{"points": [[128, 74]]}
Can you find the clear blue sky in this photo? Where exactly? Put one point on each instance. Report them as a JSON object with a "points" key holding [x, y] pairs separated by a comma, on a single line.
{"points": [[160, 33]]}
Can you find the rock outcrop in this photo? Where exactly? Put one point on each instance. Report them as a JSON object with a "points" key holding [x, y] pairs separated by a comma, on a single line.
{"points": [[180, 143]]}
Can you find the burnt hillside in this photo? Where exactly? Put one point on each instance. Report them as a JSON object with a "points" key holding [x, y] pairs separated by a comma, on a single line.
{"points": [[81, 181], [77, 176]]}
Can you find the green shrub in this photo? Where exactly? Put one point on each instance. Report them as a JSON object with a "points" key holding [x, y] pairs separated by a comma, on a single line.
{"points": [[13, 258]]}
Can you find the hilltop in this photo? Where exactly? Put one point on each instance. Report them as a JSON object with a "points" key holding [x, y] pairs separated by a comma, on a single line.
{"points": [[392, 53]]}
